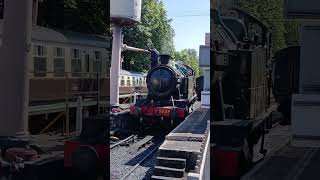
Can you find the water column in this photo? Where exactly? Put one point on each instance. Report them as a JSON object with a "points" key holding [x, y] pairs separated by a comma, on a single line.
{"points": [[115, 66]]}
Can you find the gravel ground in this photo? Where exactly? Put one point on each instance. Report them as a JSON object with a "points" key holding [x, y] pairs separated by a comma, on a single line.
{"points": [[122, 160], [144, 171]]}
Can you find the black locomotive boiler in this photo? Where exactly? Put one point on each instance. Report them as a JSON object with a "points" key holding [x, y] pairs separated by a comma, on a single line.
{"points": [[171, 93]]}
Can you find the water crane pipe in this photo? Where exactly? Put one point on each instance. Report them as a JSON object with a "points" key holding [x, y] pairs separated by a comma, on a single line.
{"points": [[129, 48], [117, 48]]}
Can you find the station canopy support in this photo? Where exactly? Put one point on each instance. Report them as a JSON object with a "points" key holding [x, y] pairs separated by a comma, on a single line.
{"points": [[15, 55]]}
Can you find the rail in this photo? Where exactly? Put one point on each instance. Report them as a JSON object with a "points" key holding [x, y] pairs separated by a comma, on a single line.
{"points": [[141, 161], [130, 138]]}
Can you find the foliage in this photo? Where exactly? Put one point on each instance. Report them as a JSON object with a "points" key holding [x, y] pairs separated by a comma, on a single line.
{"points": [[190, 57], [88, 16], [269, 11], [284, 32], [154, 31], [292, 32]]}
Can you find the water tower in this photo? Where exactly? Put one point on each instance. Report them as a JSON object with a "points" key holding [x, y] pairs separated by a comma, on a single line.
{"points": [[123, 13]]}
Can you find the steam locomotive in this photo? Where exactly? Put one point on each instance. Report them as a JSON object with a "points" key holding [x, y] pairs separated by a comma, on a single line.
{"points": [[241, 82], [171, 93]]}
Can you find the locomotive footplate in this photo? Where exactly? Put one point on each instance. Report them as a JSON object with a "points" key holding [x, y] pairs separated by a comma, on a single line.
{"points": [[165, 109], [234, 141]]}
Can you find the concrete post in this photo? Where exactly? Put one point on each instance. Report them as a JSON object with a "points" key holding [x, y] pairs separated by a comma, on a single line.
{"points": [[79, 115], [35, 12], [15, 54], [115, 66]]}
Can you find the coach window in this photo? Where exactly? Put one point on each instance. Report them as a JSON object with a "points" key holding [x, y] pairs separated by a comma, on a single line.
{"points": [[40, 60], [122, 81], [87, 63], [140, 81], [97, 62], [128, 81], [76, 62], [58, 61], [133, 81]]}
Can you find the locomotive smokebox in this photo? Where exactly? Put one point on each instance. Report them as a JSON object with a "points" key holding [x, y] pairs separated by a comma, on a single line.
{"points": [[161, 82], [164, 59]]}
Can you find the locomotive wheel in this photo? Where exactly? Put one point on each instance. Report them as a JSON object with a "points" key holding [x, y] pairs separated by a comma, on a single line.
{"points": [[84, 162]]}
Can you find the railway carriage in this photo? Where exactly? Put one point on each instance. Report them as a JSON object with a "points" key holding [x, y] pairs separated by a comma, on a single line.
{"points": [[131, 83], [64, 61]]}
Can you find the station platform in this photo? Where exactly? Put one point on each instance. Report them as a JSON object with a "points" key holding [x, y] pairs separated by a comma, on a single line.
{"points": [[192, 128], [186, 144], [284, 161]]}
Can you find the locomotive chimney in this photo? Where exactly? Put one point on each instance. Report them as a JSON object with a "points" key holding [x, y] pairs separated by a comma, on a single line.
{"points": [[164, 59]]}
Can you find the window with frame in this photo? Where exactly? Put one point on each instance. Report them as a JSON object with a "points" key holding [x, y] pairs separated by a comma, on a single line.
{"points": [[128, 81], [59, 62], [40, 60], [140, 81], [87, 63], [133, 81], [122, 81], [76, 68], [97, 64]]}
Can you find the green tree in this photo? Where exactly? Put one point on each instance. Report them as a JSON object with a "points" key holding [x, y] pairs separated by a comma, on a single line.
{"points": [[284, 32], [190, 57], [154, 31], [271, 12], [87, 16], [292, 32]]}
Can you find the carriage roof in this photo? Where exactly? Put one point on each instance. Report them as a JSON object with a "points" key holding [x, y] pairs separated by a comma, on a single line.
{"points": [[47, 35], [131, 73]]}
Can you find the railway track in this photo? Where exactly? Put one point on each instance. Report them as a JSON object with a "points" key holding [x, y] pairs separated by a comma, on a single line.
{"points": [[140, 162], [126, 140], [133, 159]]}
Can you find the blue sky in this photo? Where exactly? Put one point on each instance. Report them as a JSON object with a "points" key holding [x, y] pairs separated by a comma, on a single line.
{"points": [[190, 21]]}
